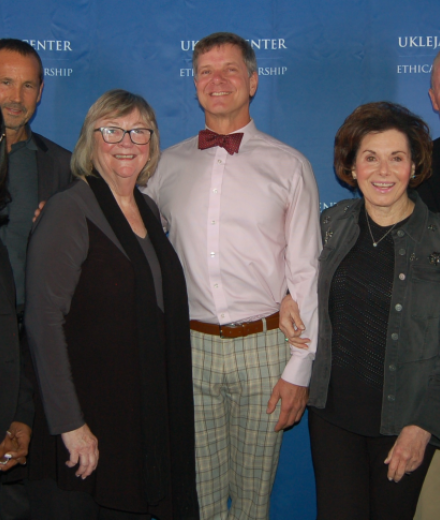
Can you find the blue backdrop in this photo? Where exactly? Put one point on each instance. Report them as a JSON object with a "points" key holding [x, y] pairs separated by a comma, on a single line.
{"points": [[318, 60]]}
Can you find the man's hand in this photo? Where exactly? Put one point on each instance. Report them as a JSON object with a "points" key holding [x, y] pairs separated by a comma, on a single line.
{"points": [[407, 453], [83, 449], [291, 324], [293, 402], [14, 448], [38, 210]]}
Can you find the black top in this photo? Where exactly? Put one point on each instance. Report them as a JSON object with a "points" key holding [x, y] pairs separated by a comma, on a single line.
{"points": [[359, 306]]}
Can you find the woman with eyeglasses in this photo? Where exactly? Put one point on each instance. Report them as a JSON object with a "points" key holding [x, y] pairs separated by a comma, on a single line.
{"points": [[108, 328]]}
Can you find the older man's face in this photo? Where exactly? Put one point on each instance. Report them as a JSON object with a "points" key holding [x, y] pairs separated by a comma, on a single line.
{"points": [[223, 85], [20, 88]]}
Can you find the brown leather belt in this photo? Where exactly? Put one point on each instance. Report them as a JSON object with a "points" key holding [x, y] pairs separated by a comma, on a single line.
{"points": [[236, 331]]}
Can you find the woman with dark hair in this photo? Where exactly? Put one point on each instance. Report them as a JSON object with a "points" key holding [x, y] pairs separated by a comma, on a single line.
{"points": [[16, 406], [374, 406], [108, 328]]}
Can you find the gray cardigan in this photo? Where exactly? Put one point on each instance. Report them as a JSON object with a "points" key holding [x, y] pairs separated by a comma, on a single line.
{"points": [[411, 393]]}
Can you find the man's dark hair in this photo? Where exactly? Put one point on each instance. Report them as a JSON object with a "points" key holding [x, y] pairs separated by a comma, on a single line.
{"points": [[23, 48], [223, 38]]}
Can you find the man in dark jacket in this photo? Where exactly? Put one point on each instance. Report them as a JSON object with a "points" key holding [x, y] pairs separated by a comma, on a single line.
{"points": [[38, 168]]}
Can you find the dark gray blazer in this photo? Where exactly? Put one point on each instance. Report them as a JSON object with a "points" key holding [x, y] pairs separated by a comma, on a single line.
{"points": [[53, 165], [16, 404]]}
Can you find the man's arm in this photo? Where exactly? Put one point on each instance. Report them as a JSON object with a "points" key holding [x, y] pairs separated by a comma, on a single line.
{"points": [[303, 239]]}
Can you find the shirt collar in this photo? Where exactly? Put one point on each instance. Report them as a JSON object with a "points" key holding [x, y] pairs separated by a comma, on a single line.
{"points": [[245, 129], [27, 143]]}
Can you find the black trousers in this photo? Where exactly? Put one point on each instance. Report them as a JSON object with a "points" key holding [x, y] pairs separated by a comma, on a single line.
{"points": [[351, 477], [48, 502]]}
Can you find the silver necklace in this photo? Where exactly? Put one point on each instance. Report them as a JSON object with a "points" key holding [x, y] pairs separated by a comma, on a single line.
{"points": [[377, 242]]}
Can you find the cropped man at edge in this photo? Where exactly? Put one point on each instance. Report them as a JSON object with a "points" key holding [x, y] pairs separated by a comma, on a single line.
{"points": [[428, 507], [242, 212], [38, 168]]}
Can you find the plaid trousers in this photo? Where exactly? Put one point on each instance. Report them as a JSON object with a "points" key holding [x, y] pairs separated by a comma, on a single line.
{"points": [[237, 449]]}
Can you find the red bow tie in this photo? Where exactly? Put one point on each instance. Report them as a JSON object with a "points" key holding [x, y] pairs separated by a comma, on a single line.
{"points": [[230, 142]]}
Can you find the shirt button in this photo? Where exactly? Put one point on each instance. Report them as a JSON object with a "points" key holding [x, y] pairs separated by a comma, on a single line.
{"points": [[216, 285], [392, 369], [402, 276], [219, 161], [395, 336], [398, 307], [212, 254], [400, 233], [215, 190], [222, 315], [402, 252], [212, 221], [391, 398]]}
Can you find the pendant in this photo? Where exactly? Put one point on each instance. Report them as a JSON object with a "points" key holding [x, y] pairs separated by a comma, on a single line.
{"points": [[374, 244]]}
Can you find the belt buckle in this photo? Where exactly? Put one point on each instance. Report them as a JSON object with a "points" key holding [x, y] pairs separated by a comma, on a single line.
{"points": [[231, 325]]}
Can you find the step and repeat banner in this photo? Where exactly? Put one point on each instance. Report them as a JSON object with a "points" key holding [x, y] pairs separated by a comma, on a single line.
{"points": [[317, 61]]}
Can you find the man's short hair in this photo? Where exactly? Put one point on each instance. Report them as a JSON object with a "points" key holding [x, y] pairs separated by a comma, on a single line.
{"points": [[114, 103], [224, 38], [375, 118], [23, 48]]}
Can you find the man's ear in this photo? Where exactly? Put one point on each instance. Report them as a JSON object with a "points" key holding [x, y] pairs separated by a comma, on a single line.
{"points": [[41, 91], [253, 84], [434, 100]]}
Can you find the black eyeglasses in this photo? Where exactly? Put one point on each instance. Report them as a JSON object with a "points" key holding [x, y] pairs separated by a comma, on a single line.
{"points": [[114, 135]]}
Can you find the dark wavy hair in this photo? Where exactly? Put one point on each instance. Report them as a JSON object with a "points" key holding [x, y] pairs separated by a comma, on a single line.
{"points": [[376, 118], [4, 193]]}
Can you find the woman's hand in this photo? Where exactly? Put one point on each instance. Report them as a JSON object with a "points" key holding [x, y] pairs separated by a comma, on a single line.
{"points": [[83, 448], [14, 448], [291, 324], [407, 453]]}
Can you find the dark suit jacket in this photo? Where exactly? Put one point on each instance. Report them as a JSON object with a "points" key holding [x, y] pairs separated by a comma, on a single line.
{"points": [[16, 403], [15, 395], [53, 165], [429, 190]]}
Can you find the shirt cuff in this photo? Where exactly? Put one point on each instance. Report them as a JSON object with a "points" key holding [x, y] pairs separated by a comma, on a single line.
{"points": [[298, 370]]}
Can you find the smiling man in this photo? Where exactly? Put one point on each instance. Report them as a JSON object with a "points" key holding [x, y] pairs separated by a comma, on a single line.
{"points": [[38, 168], [242, 212]]}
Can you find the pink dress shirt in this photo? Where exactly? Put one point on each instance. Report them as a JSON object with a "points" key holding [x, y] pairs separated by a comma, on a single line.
{"points": [[246, 229]]}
